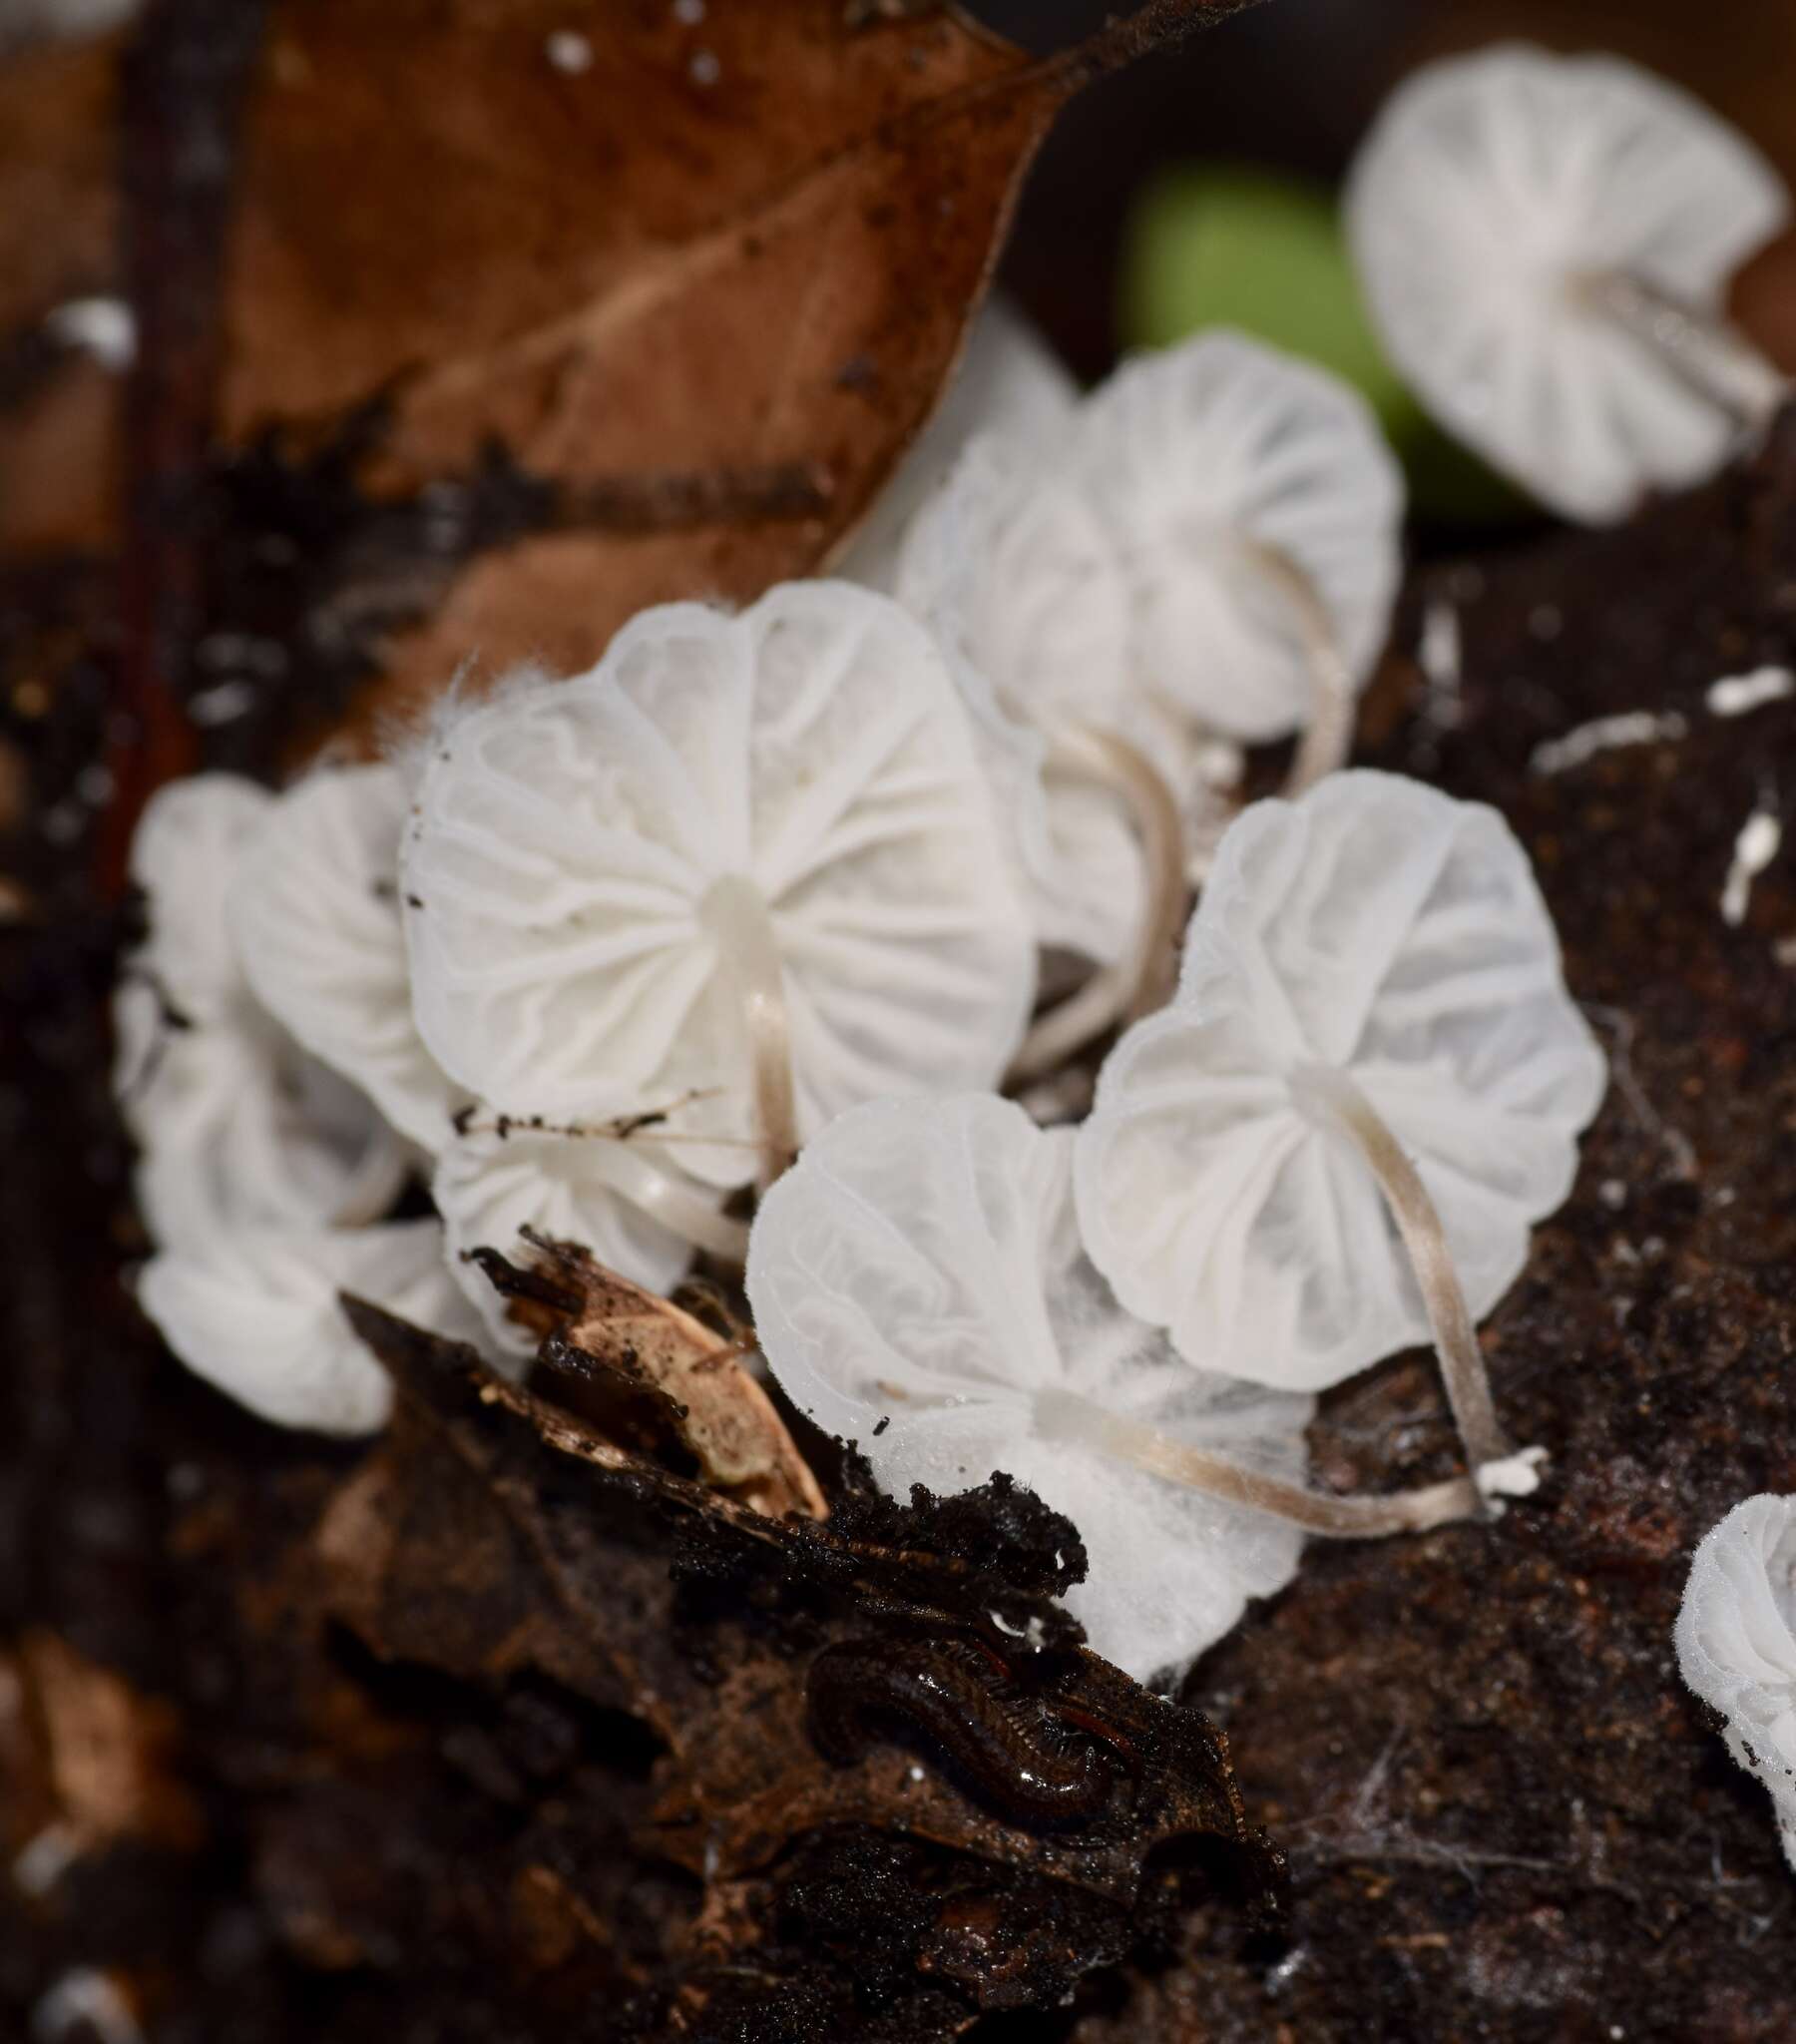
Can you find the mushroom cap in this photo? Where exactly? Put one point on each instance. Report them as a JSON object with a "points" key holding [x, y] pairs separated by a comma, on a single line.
{"points": [[1736, 1642], [576, 873], [314, 914], [920, 1265], [492, 1185], [1489, 188], [1011, 568], [1374, 927], [1191, 453], [236, 1125], [1010, 382], [256, 1314]]}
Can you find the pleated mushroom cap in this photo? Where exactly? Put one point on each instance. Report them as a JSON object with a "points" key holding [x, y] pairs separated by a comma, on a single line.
{"points": [[918, 1285], [1736, 1643], [235, 1124], [1010, 384], [1490, 190], [257, 1314], [1379, 930], [586, 856], [1012, 570], [1194, 456], [314, 914]]}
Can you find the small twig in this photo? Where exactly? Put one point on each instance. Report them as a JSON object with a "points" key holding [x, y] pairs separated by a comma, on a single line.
{"points": [[1160, 24]]}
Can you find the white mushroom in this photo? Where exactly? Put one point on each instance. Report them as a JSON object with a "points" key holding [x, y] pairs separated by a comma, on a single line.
{"points": [[236, 1125], [1370, 1085], [1544, 244], [1256, 511], [917, 1285], [1008, 383], [315, 912], [256, 1314], [603, 1188], [747, 870], [1013, 570], [1736, 1643], [1211, 546]]}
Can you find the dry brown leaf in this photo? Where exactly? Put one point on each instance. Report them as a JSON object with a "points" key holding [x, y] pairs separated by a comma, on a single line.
{"points": [[742, 248]]}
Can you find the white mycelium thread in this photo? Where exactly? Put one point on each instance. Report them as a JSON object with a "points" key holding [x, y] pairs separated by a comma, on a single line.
{"points": [[736, 843], [236, 1125], [1605, 734], [1759, 841], [1375, 957], [921, 1266], [1736, 1643], [1735, 695], [1545, 245]]}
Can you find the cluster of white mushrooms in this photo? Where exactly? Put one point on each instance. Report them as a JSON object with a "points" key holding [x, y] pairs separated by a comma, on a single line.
{"points": [[737, 944], [1130, 1316]]}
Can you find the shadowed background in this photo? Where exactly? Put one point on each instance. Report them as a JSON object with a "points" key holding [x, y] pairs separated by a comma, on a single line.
{"points": [[1291, 85]]}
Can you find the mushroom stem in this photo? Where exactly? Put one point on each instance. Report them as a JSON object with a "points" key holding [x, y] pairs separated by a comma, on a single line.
{"points": [[737, 914], [643, 1183], [1141, 980], [1328, 736], [1334, 1098], [1064, 1415], [1708, 353]]}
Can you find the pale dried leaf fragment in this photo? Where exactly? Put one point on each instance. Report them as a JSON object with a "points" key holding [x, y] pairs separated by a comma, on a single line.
{"points": [[723, 1415]]}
